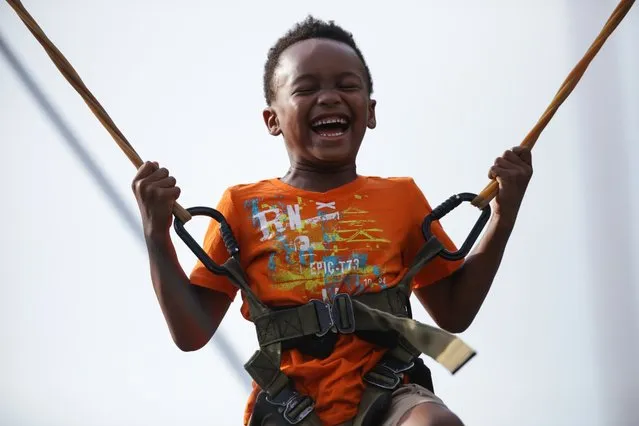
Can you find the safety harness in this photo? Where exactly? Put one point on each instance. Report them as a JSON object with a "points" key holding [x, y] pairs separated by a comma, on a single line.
{"points": [[384, 318]]}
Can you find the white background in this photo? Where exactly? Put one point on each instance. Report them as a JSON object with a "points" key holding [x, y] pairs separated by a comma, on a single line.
{"points": [[82, 340]]}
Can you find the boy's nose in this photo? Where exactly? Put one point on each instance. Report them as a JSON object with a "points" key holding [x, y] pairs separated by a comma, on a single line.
{"points": [[329, 97]]}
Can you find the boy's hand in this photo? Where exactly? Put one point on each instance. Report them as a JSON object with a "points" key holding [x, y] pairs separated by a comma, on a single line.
{"points": [[512, 171], [156, 193]]}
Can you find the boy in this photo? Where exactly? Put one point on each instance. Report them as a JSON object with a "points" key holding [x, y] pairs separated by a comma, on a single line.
{"points": [[322, 229]]}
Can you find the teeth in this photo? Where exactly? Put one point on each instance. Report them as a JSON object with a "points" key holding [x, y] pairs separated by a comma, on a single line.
{"points": [[331, 134], [329, 121]]}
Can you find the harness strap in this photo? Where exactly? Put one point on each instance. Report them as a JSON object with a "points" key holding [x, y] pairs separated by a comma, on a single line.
{"points": [[279, 393], [383, 311], [431, 248], [349, 314], [445, 348], [382, 381], [318, 317]]}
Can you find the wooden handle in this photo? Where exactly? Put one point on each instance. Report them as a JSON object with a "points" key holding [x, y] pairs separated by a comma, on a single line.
{"points": [[491, 190], [72, 77]]}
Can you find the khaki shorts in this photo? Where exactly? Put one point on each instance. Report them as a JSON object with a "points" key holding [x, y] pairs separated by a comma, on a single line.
{"points": [[405, 398]]}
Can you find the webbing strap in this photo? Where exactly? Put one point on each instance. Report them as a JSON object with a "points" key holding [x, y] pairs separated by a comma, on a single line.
{"points": [[318, 317], [237, 277], [277, 326], [266, 372], [373, 405], [291, 406], [382, 382], [445, 348], [426, 253]]}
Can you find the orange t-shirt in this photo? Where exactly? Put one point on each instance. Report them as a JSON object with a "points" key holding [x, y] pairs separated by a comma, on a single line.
{"points": [[297, 245]]}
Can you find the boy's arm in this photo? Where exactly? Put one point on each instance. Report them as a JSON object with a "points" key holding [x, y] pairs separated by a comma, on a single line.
{"points": [[453, 302], [192, 313]]}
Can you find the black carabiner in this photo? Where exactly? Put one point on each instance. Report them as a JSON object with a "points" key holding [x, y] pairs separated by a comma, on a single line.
{"points": [[446, 207], [227, 236]]}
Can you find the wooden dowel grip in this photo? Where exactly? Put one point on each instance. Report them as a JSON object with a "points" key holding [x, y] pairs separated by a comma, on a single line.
{"points": [[491, 190], [181, 213]]}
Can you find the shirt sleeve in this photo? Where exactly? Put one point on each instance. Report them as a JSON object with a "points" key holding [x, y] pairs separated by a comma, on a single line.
{"points": [[214, 246], [438, 268]]}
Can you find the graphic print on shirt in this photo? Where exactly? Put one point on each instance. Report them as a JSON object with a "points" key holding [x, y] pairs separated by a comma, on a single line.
{"points": [[323, 247]]}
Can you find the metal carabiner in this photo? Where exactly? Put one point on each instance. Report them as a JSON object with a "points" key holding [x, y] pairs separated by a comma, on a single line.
{"points": [[446, 207], [230, 242]]}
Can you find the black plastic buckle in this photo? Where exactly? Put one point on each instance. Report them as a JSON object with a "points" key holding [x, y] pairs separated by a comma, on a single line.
{"points": [[324, 317], [293, 406], [337, 316], [395, 365], [343, 314], [383, 377]]}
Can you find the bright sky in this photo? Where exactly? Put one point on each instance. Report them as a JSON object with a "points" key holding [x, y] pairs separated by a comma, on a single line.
{"points": [[82, 339]]}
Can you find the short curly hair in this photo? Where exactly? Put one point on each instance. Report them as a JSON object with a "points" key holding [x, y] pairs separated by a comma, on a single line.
{"points": [[308, 29]]}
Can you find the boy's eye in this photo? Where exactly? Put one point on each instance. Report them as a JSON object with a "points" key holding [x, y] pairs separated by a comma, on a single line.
{"points": [[303, 90], [349, 85]]}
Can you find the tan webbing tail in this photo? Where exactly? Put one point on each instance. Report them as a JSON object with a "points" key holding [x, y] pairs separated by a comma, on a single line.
{"points": [[445, 348], [455, 355]]}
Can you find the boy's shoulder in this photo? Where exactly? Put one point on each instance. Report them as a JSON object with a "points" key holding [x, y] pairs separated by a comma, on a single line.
{"points": [[252, 186], [273, 186], [391, 181]]}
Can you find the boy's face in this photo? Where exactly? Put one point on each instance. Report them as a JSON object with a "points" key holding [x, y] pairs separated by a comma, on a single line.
{"points": [[321, 104]]}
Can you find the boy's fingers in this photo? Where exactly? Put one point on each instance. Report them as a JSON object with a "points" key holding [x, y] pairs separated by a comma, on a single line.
{"points": [[158, 174], [499, 171], [524, 153], [167, 182], [171, 193], [146, 169]]}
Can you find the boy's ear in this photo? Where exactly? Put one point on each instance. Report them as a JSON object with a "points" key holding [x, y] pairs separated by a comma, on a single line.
{"points": [[271, 121], [372, 120]]}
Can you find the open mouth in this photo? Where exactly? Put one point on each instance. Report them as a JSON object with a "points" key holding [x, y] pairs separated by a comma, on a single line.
{"points": [[330, 127]]}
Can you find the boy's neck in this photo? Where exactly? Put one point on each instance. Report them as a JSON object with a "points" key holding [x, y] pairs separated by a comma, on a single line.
{"points": [[319, 180]]}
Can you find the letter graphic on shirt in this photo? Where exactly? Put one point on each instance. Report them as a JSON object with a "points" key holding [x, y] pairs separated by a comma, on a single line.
{"points": [[302, 243], [319, 205], [265, 224], [294, 217], [303, 246]]}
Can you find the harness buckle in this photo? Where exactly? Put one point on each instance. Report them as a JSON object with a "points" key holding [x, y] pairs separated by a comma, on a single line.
{"points": [[395, 365], [324, 317], [343, 315], [383, 377], [293, 406], [337, 316]]}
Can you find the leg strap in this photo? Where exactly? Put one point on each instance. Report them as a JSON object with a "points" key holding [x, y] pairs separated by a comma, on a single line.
{"points": [[381, 381], [278, 401]]}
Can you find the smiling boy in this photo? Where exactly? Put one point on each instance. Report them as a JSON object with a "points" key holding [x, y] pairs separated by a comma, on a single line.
{"points": [[322, 229]]}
